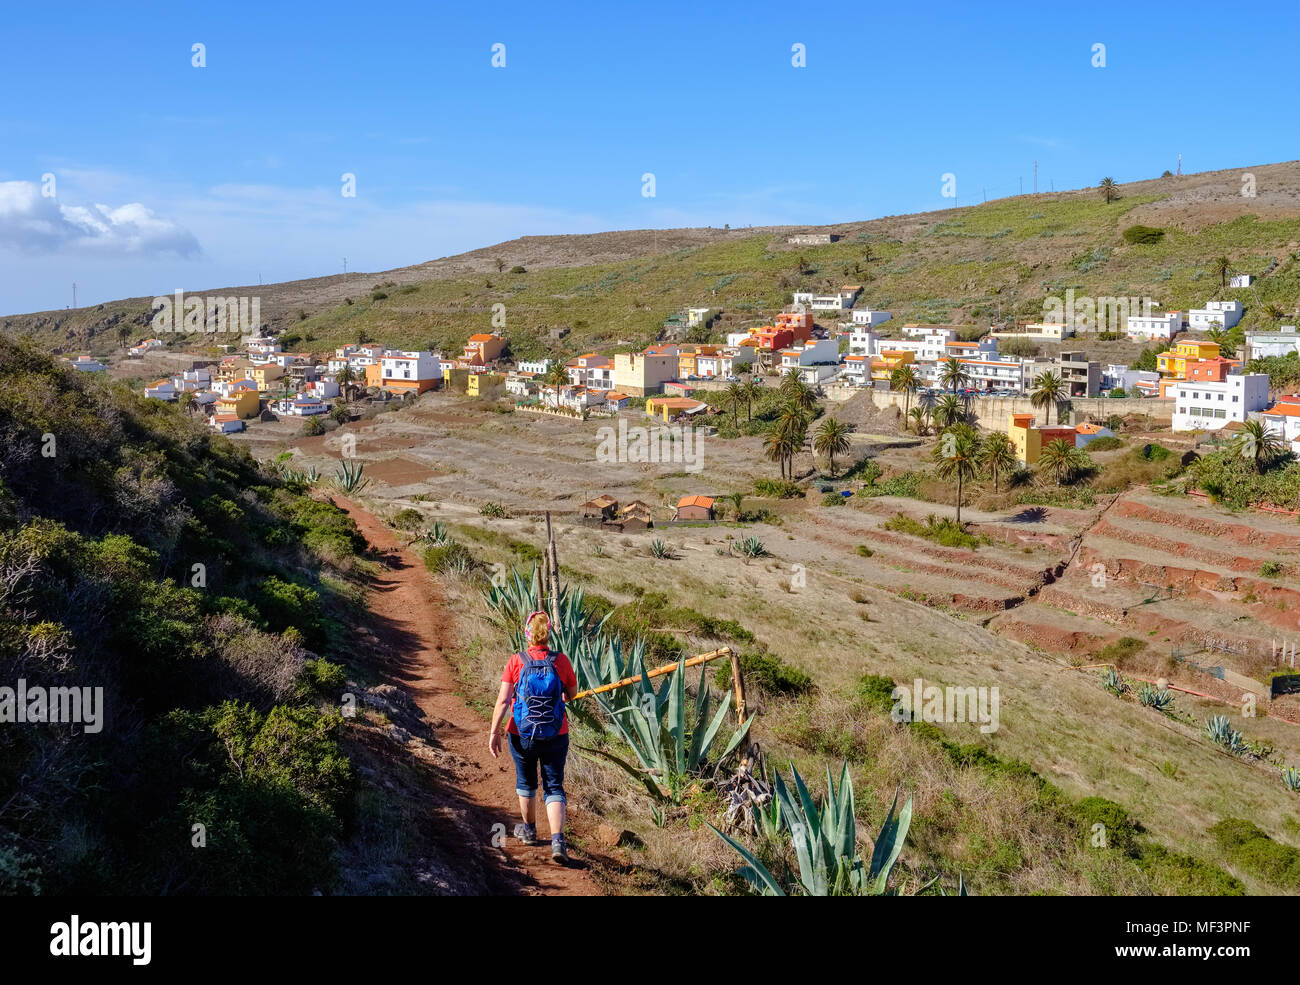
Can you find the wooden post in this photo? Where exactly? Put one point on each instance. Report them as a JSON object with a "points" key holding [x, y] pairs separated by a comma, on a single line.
{"points": [[738, 681], [703, 658], [554, 564]]}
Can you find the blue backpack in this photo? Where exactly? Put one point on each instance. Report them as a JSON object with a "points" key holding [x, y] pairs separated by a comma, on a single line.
{"points": [[539, 698]]}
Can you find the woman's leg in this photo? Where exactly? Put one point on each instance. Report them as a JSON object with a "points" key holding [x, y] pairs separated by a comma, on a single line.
{"points": [[525, 779], [552, 761]]}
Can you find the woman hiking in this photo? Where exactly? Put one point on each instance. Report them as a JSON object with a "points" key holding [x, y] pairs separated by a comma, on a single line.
{"points": [[538, 682]]}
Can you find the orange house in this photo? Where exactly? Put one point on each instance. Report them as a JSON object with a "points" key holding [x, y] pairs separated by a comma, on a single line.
{"points": [[488, 347], [772, 337], [800, 324]]}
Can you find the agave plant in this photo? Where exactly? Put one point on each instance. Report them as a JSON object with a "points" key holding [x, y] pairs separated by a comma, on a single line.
{"points": [[671, 743], [1113, 682], [493, 510], [1158, 698], [350, 476], [752, 547], [1291, 779], [824, 839], [661, 550], [1223, 735]]}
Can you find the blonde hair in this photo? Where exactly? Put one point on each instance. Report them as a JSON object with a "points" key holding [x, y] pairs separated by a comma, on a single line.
{"points": [[539, 629]]}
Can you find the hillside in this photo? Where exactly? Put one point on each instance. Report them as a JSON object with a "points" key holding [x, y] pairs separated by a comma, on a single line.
{"points": [[989, 262], [205, 612]]}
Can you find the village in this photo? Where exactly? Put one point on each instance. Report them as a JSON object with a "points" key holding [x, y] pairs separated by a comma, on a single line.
{"points": [[1193, 377]]}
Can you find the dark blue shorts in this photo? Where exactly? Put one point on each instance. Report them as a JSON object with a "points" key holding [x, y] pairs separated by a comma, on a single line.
{"points": [[550, 755]]}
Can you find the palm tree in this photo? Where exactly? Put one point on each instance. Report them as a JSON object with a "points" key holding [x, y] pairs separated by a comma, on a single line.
{"points": [[345, 379], [957, 457], [191, 402], [780, 446], [735, 396], [998, 456], [752, 392], [949, 411], [557, 376], [1223, 339], [1059, 458], [1049, 391], [123, 333], [1109, 189], [832, 439], [1257, 443], [953, 374], [1274, 311], [918, 420], [797, 392], [905, 380], [1222, 266]]}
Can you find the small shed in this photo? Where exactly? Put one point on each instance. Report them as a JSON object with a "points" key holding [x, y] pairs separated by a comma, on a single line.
{"points": [[694, 508], [601, 508]]}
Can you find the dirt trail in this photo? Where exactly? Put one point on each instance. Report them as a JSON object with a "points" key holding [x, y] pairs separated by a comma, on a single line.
{"points": [[412, 619]]}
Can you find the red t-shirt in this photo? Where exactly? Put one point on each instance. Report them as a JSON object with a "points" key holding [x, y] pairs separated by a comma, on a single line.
{"points": [[563, 669]]}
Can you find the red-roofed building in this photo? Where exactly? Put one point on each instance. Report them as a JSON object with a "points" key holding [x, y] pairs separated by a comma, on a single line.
{"points": [[1283, 420]]}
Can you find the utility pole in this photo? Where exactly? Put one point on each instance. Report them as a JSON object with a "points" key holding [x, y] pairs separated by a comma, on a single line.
{"points": [[1035, 177], [1180, 165], [345, 265], [74, 293], [1022, 184]]}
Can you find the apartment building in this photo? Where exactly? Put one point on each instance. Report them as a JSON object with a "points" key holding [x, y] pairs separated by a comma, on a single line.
{"points": [[1082, 376], [1221, 314], [409, 372], [1208, 406], [641, 374]]}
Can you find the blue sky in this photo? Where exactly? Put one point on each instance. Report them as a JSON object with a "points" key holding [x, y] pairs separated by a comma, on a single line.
{"points": [[170, 176]]}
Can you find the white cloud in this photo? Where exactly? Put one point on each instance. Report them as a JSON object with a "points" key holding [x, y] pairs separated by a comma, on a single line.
{"points": [[31, 222]]}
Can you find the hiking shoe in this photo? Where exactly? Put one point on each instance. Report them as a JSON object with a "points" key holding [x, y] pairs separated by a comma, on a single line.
{"points": [[526, 833], [559, 854]]}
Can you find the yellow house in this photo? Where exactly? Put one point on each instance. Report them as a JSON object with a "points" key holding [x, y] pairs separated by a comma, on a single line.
{"points": [[670, 407], [265, 375], [241, 403], [1173, 364], [480, 383], [687, 357], [1029, 438], [890, 360]]}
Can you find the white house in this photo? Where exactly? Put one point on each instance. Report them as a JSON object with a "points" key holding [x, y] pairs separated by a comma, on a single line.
{"points": [[538, 366], [994, 374], [732, 361], [323, 389], [856, 370], [930, 347], [161, 390], [1283, 420], [865, 316], [1141, 328], [226, 424], [301, 407], [1278, 343], [86, 364], [1209, 406], [698, 316], [591, 370], [1119, 377], [840, 301], [521, 384], [1223, 314], [148, 345], [192, 379], [264, 345], [863, 342], [408, 370], [1241, 280]]}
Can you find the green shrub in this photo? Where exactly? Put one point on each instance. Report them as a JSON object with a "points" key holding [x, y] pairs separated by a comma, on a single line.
{"points": [[285, 603], [1270, 569], [1120, 650], [1105, 443], [1119, 827], [864, 551], [947, 532], [448, 557], [767, 671], [876, 691], [408, 519], [832, 499], [1144, 235], [777, 488], [1252, 849]]}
